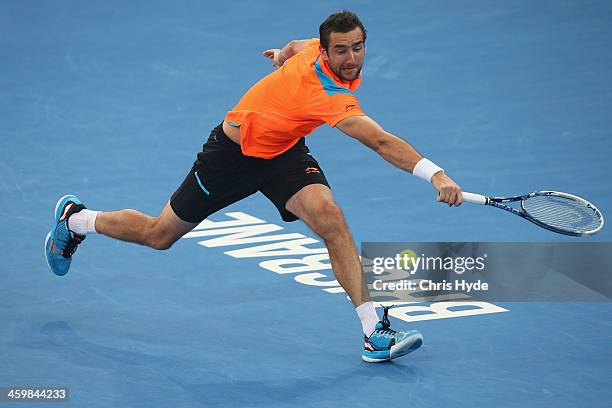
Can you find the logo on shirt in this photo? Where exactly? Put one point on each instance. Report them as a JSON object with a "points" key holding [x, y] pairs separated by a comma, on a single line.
{"points": [[350, 107], [312, 170]]}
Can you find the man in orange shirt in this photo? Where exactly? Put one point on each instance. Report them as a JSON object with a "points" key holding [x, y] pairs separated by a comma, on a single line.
{"points": [[260, 147]]}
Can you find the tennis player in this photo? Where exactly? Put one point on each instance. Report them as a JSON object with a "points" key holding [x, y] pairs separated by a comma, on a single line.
{"points": [[260, 146]]}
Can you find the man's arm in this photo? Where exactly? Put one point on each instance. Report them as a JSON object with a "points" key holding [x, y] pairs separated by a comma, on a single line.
{"points": [[279, 57], [398, 152]]}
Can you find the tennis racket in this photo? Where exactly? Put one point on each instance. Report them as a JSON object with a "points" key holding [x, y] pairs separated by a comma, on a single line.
{"points": [[562, 213]]}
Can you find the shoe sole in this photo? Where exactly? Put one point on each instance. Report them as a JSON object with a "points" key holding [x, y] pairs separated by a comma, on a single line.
{"points": [[56, 218], [45, 249], [400, 350]]}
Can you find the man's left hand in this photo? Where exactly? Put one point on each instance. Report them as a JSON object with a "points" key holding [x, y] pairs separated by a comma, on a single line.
{"points": [[275, 55]]}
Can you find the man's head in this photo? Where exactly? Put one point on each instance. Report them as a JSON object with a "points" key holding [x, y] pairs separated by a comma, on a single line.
{"points": [[342, 37]]}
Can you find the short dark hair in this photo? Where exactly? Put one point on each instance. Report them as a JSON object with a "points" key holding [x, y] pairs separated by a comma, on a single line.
{"points": [[342, 22]]}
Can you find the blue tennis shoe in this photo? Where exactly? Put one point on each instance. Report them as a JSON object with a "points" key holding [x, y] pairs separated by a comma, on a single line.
{"points": [[61, 243], [386, 344]]}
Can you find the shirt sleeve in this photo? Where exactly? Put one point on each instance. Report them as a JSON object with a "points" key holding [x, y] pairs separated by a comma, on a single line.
{"points": [[341, 106], [312, 46], [313, 41]]}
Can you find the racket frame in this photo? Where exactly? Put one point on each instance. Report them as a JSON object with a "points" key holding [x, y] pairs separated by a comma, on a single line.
{"points": [[499, 202]]}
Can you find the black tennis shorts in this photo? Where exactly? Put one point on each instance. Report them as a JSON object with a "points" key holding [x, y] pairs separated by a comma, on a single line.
{"points": [[222, 175]]}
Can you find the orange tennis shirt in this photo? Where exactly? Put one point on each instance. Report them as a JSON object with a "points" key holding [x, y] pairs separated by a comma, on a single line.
{"points": [[291, 102]]}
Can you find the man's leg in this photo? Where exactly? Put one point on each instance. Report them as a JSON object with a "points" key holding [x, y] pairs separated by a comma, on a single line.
{"points": [[315, 205], [298, 188], [220, 176], [130, 225], [73, 221]]}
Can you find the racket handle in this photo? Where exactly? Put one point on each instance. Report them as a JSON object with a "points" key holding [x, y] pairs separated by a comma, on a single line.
{"points": [[474, 198]]}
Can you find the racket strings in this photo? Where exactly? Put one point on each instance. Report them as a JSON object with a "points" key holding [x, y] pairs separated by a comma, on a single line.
{"points": [[562, 213]]}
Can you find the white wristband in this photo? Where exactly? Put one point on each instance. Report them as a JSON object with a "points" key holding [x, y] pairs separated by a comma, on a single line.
{"points": [[425, 169]]}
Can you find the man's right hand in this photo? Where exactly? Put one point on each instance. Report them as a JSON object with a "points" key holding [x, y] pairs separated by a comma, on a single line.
{"points": [[448, 191]]}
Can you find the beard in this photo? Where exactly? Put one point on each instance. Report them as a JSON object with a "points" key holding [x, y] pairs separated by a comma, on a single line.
{"points": [[348, 75]]}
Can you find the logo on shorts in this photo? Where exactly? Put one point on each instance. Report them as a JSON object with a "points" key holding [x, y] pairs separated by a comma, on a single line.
{"points": [[350, 107], [312, 170]]}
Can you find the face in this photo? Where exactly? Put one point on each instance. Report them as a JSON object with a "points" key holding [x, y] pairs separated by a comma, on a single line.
{"points": [[345, 54]]}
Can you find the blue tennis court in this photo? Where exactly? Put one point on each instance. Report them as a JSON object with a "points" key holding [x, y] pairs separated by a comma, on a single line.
{"points": [[111, 101]]}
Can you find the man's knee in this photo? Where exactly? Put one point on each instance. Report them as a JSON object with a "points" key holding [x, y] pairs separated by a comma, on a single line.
{"points": [[159, 238], [162, 243], [327, 220]]}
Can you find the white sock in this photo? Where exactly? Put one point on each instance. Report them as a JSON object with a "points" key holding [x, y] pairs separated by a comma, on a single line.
{"points": [[83, 222], [368, 316]]}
